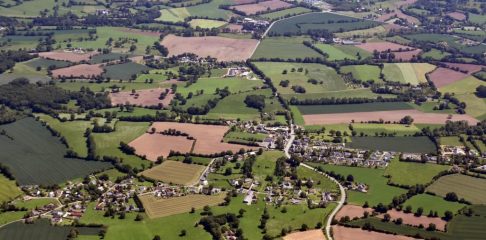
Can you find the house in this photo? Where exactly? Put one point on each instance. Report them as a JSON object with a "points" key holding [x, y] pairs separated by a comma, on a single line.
{"points": [[248, 198]]}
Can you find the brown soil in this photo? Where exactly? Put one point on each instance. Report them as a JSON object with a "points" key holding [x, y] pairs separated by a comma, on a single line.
{"points": [[156, 145], [444, 76], [398, 13], [393, 116], [470, 68], [224, 49], [408, 55], [145, 98], [78, 71], [383, 46], [344, 233], [457, 16], [234, 27], [67, 56], [251, 9], [352, 211], [410, 219], [307, 235]]}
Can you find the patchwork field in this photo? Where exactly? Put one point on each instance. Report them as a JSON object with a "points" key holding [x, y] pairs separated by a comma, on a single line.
{"points": [[391, 116], [264, 6], [147, 97], [465, 90], [351, 108], [175, 172], [383, 46], [413, 73], [469, 68], [341, 52], [217, 47], [156, 208], [410, 174], [443, 76], [397, 144], [36, 157], [470, 188]]}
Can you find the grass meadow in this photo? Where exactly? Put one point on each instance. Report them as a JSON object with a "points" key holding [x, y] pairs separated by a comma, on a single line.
{"points": [[470, 188], [410, 173]]}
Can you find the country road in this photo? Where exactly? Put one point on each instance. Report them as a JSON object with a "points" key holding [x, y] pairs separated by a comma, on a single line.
{"points": [[341, 188]]}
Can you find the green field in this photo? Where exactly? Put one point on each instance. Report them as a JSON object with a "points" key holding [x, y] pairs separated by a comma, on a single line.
{"points": [[410, 174], [284, 13], [432, 203], [465, 90], [470, 188], [8, 190], [379, 191], [477, 18], [413, 73], [363, 73], [319, 21], [206, 23], [36, 157], [124, 71], [284, 48], [42, 230], [370, 129], [341, 52], [397, 144], [24, 70], [173, 15], [209, 85], [435, 54], [348, 108], [233, 107]]}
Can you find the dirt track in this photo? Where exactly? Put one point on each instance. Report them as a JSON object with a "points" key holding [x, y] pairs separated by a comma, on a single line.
{"points": [[392, 116]]}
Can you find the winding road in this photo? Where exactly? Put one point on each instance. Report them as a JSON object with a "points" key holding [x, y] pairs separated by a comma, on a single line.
{"points": [[341, 188]]}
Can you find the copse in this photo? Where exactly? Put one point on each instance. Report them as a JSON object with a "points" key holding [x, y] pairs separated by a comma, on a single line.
{"points": [[255, 101]]}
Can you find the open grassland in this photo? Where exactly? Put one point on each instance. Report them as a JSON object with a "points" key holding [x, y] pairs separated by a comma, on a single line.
{"points": [[209, 85], [370, 129], [42, 230], [175, 172], [465, 90], [397, 144], [320, 181], [413, 73], [410, 173], [124, 71], [173, 15], [30, 9], [470, 188], [350, 108], [286, 12], [319, 21], [196, 160], [379, 191], [265, 165], [433, 203], [36, 157], [341, 52], [8, 190], [45, 63], [435, 54], [477, 18], [326, 78], [284, 48], [72, 131], [206, 23], [363, 72], [259, 7], [19, 42], [24, 70], [160, 207], [8, 217], [367, 32], [107, 143], [210, 10]]}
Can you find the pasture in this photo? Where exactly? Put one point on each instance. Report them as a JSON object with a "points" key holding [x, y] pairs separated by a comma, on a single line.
{"points": [[350, 108], [470, 188], [338, 52], [283, 13], [67, 56], [363, 73], [145, 98], [124, 71], [209, 85], [42, 230], [433, 203], [173, 15], [379, 191], [370, 129], [413, 73], [319, 21], [217, 47], [36, 157], [206, 23], [175, 172], [396, 144], [260, 7], [284, 48], [465, 90], [410, 173], [24, 69], [8, 189]]}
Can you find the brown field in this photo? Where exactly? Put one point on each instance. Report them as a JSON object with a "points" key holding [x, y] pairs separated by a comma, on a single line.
{"points": [[152, 145], [208, 137], [392, 116], [67, 56], [410, 219], [239, 2], [78, 71], [224, 49], [408, 55], [444, 76], [163, 207], [263, 6], [352, 211], [344, 233], [234, 27], [470, 68], [145, 98], [457, 16], [382, 46], [307, 235], [175, 172], [398, 13]]}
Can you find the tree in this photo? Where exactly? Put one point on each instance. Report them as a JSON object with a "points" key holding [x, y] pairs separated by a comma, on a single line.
{"points": [[406, 120], [255, 101], [399, 221], [448, 215], [451, 197], [228, 171], [156, 237], [419, 212], [481, 91], [183, 233], [280, 166], [386, 217], [431, 227], [139, 217]]}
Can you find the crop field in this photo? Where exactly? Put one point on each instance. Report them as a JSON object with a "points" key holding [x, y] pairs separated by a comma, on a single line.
{"points": [[416, 221], [285, 48], [309, 234], [410, 173], [397, 144], [350, 108], [286, 12], [147, 97], [477, 18], [469, 68], [265, 6], [443, 76], [45, 63], [465, 90], [210, 10], [173, 15], [175, 172], [124, 71], [100, 58], [470, 188], [363, 72], [370, 129], [8, 189], [340, 232], [67, 56], [379, 191], [78, 71], [42, 230], [244, 137], [317, 21], [149, 145], [36, 157], [342, 52], [209, 85], [383, 46], [393, 116], [413, 73], [217, 47], [72, 131], [24, 70], [327, 78], [435, 54], [368, 32], [206, 23], [433, 203], [156, 208]]}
